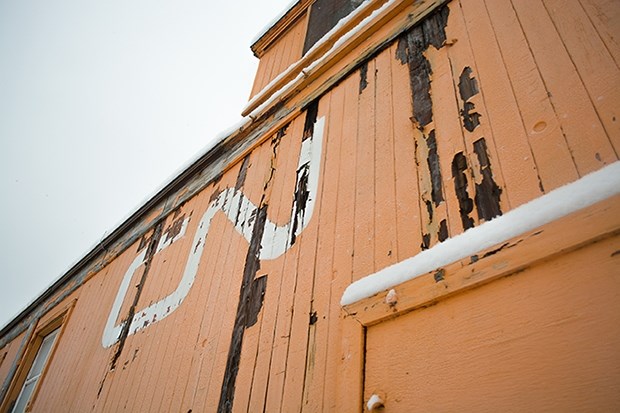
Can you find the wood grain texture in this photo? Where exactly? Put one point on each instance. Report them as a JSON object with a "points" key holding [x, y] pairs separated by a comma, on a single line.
{"points": [[542, 340], [512, 95]]}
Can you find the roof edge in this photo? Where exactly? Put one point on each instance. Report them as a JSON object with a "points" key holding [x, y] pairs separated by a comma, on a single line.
{"points": [[278, 26]]}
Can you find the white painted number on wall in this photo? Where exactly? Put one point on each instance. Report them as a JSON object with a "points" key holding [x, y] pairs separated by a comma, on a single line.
{"points": [[240, 211]]}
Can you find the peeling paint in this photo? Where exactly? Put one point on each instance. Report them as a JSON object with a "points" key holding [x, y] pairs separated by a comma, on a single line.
{"points": [[442, 234], [125, 325], [466, 204], [243, 170], [313, 318], [135, 320], [410, 51], [247, 311], [363, 77], [487, 191], [434, 168], [468, 87]]}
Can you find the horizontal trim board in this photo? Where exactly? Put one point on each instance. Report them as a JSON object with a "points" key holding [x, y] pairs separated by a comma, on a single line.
{"points": [[551, 240]]}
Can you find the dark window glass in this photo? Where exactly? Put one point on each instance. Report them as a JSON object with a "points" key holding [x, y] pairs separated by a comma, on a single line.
{"points": [[324, 15]]}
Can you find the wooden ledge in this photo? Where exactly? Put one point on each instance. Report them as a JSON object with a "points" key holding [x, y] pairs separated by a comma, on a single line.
{"points": [[330, 50], [551, 240]]}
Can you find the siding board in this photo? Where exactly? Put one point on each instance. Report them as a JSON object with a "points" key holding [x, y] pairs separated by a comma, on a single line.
{"points": [[595, 66], [386, 243], [365, 175], [284, 311], [514, 153], [292, 397], [544, 131], [586, 137], [480, 108]]}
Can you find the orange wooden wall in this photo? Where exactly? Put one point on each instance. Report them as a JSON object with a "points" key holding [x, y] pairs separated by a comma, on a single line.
{"points": [[547, 99], [280, 55]]}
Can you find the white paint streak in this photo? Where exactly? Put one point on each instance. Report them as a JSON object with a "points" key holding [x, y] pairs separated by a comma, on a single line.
{"points": [[242, 213], [278, 239], [558, 203]]}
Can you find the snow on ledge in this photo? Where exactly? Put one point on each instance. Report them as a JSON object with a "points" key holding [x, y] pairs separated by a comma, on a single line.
{"points": [[268, 100], [587, 191]]}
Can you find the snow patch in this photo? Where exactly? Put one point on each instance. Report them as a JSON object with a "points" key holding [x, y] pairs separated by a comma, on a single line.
{"points": [[273, 21], [558, 203], [305, 71]]}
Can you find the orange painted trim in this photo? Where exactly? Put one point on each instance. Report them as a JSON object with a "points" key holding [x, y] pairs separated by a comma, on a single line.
{"points": [[567, 234]]}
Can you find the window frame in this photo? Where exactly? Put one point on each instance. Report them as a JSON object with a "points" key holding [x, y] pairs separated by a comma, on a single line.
{"points": [[46, 326]]}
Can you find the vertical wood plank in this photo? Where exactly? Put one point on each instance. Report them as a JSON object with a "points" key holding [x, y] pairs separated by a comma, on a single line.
{"points": [[164, 274], [206, 308], [280, 213], [298, 347], [188, 344], [343, 377], [407, 190], [282, 334], [227, 303], [320, 314], [149, 394], [464, 67], [513, 150], [546, 137], [386, 239], [450, 141], [584, 133], [364, 261], [596, 67]]}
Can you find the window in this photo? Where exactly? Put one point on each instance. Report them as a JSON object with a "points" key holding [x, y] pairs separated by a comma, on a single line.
{"points": [[35, 371], [32, 363], [324, 15]]}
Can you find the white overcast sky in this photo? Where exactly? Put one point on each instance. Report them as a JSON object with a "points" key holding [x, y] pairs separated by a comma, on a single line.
{"points": [[100, 102]]}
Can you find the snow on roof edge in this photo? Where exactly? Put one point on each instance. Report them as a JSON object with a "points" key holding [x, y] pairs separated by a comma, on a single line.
{"points": [[274, 21], [586, 191], [345, 36]]}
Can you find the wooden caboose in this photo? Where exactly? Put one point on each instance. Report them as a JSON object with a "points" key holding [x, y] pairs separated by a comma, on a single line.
{"points": [[420, 213]]}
